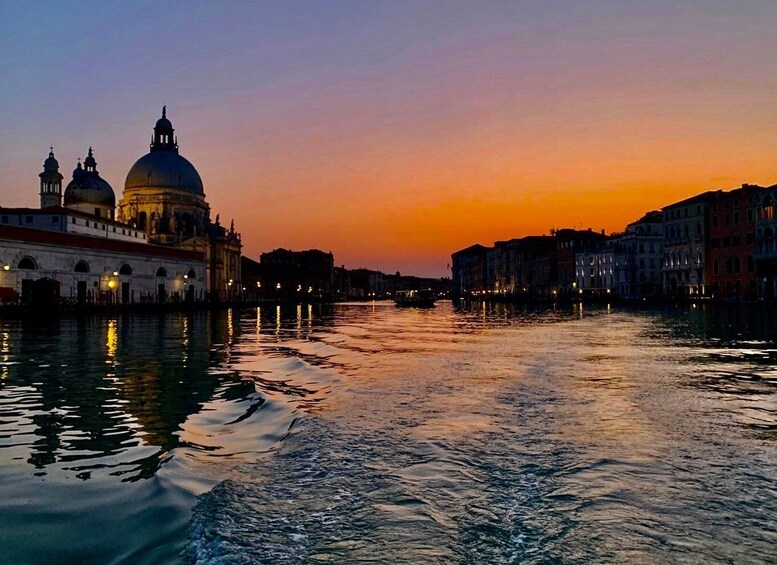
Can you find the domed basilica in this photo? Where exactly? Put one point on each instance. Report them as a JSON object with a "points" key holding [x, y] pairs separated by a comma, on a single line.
{"points": [[163, 198], [163, 192]]}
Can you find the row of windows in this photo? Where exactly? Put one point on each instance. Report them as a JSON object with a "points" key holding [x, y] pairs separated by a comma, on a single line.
{"points": [[87, 223], [729, 219], [733, 265], [104, 227], [674, 232], [675, 214], [28, 263], [732, 241]]}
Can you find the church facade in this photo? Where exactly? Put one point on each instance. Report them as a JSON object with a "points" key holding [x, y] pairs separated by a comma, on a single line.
{"points": [[160, 243], [164, 197]]}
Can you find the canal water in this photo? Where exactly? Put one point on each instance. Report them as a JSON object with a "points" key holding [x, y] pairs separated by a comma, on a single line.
{"points": [[363, 432]]}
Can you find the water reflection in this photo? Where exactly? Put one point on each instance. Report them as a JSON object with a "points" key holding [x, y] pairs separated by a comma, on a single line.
{"points": [[86, 390], [476, 432]]}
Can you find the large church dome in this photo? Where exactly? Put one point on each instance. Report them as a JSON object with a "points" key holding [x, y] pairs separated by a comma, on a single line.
{"points": [[163, 167]]}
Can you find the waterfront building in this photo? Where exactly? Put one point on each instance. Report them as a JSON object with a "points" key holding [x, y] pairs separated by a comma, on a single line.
{"points": [[296, 275], [44, 267], [638, 253], [765, 254], [732, 243], [545, 277], [164, 198], [570, 242], [513, 264], [594, 270], [686, 267], [342, 289], [468, 271], [65, 220], [161, 246], [251, 273], [366, 283]]}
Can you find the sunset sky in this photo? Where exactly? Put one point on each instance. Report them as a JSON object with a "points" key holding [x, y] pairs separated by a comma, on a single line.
{"points": [[393, 133]]}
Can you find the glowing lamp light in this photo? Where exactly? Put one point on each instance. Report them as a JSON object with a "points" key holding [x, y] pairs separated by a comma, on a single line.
{"points": [[278, 285], [115, 273], [7, 267], [111, 284], [186, 277]]}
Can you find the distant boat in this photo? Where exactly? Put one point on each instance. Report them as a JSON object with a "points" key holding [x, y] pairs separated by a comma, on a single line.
{"points": [[417, 298]]}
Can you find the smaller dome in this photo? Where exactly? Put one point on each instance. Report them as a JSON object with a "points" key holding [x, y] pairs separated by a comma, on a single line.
{"points": [[51, 163], [163, 123], [89, 189]]}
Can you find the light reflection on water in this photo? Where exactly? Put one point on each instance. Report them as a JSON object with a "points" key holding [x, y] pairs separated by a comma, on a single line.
{"points": [[366, 432]]}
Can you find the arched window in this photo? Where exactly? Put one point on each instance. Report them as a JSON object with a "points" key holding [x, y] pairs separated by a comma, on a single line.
{"points": [[191, 274], [161, 272], [82, 267], [27, 263], [768, 208], [125, 270], [142, 220]]}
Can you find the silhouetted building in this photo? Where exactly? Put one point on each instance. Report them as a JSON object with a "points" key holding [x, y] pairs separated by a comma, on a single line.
{"points": [[637, 254], [366, 283], [732, 243], [510, 265], [251, 273], [766, 243], [297, 275], [342, 284], [468, 268], [570, 242], [686, 266]]}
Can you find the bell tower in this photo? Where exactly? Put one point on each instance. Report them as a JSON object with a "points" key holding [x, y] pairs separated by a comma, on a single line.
{"points": [[50, 183]]}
